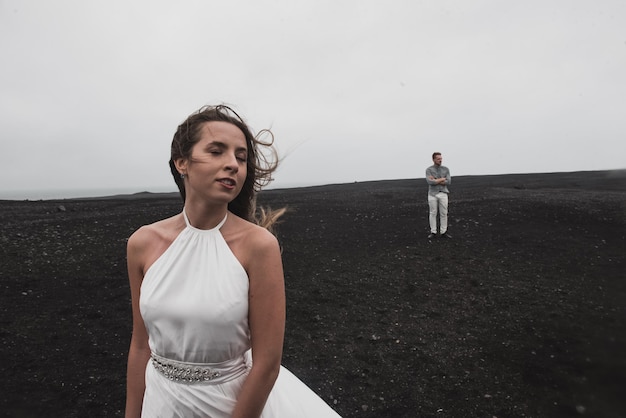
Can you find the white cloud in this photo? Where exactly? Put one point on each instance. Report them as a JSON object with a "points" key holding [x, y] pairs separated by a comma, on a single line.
{"points": [[93, 91]]}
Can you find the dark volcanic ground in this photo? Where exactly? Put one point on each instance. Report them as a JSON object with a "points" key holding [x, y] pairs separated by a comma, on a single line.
{"points": [[521, 314]]}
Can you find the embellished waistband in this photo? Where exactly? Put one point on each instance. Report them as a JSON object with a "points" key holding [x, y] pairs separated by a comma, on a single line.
{"points": [[183, 372]]}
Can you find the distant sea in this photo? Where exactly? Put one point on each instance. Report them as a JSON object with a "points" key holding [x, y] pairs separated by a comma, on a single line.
{"points": [[52, 194], [74, 193]]}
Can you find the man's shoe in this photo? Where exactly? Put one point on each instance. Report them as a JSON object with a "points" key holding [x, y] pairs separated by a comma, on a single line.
{"points": [[431, 235], [446, 235]]}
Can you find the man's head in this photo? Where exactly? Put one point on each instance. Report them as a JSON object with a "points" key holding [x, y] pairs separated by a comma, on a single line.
{"points": [[437, 158]]}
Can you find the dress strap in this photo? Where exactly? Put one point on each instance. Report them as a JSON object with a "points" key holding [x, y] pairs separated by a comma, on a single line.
{"points": [[217, 227]]}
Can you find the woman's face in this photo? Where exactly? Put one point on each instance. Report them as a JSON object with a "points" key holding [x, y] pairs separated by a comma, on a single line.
{"points": [[217, 167]]}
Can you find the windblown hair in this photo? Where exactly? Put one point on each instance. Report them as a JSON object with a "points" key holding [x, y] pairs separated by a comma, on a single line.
{"points": [[260, 165]]}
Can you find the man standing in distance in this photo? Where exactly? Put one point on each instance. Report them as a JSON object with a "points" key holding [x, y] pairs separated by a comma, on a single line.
{"points": [[438, 179]]}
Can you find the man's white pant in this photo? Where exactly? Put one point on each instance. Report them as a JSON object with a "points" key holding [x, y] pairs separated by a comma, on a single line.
{"points": [[438, 202]]}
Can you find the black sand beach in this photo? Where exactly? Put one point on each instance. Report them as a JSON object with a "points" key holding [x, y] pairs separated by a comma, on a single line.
{"points": [[521, 314]]}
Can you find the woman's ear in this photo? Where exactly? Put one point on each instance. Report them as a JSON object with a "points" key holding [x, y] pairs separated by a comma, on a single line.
{"points": [[181, 165]]}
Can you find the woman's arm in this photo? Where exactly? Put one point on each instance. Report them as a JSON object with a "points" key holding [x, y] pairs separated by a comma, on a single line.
{"points": [[267, 323], [139, 352]]}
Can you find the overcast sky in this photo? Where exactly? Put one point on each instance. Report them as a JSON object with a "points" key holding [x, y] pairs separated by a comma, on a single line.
{"points": [[91, 91]]}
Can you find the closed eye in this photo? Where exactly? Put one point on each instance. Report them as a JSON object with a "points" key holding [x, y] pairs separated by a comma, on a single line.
{"points": [[217, 148]]}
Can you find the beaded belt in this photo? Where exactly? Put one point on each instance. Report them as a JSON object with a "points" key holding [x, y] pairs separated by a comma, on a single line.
{"points": [[179, 371]]}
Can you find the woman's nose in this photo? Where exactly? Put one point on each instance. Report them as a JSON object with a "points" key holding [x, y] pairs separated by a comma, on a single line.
{"points": [[232, 163]]}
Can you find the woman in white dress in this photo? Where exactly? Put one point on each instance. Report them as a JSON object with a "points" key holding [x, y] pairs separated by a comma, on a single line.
{"points": [[207, 288]]}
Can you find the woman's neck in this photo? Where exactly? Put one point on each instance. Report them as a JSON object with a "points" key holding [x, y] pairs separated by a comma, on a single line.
{"points": [[205, 216]]}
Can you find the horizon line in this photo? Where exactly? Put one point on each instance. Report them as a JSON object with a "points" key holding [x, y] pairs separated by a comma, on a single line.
{"points": [[95, 193]]}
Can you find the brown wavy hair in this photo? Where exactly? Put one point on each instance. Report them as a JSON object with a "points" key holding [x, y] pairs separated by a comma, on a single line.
{"points": [[260, 165]]}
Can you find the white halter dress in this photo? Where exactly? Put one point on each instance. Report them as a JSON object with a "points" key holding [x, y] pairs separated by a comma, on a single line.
{"points": [[194, 303]]}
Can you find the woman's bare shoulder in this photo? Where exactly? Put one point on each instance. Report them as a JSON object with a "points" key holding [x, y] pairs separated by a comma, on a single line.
{"points": [[251, 234], [163, 230]]}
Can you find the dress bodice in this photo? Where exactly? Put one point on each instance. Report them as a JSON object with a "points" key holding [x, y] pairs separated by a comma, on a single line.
{"points": [[194, 299]]}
